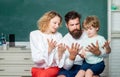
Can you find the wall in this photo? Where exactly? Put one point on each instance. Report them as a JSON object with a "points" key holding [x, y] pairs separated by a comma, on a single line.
{"points": [[19, 17]]}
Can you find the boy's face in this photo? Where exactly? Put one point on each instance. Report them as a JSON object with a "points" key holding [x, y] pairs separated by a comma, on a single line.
{"points": [[91, 31]]}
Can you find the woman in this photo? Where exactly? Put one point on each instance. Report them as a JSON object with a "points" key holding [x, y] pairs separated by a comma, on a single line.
{"points": [[43, 42]]}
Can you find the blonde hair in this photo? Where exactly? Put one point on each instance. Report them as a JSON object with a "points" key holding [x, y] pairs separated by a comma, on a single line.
{"points": [[91, 21], [43, 22]]}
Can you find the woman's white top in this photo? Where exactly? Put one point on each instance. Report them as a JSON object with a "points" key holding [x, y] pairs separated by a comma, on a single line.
{"points": [[39, 49]]}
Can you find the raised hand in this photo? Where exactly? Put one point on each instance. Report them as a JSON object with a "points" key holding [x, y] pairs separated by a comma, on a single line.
{"points": [[51, 45], [107, 47], [94, 48], [82, 53], [61, 50], [74, 50]]}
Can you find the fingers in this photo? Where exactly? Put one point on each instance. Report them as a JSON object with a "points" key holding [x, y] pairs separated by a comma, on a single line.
{"points": [[72, 46], [93, 48], [52, 42], [80, 48], [90, 48], [61, 45], [108, 41], [107, 44], [82, 56], [75, 46]]}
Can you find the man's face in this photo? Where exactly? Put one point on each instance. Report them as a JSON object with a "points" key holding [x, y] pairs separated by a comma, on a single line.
{"points": [[73, 26]]}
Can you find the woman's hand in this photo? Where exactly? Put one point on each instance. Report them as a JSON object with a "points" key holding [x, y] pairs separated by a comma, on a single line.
{"points": [[61, 50], [51, 45]]}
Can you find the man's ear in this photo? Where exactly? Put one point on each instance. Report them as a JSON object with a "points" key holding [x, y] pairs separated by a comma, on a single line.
{"points": [[66, 25]]}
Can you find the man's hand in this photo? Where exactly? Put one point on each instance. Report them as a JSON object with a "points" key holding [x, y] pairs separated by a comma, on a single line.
{"points": [[82, 54], [74, 50]]}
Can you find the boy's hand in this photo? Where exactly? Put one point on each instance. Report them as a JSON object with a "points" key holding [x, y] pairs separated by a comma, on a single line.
{"points": [[107, 47], [94, 48]]}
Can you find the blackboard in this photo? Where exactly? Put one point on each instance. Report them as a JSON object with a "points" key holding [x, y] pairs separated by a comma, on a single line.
{"points": [[19, 17]]}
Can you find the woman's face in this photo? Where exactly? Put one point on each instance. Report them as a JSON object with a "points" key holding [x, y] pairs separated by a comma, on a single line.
{"points": [[54, 24]]}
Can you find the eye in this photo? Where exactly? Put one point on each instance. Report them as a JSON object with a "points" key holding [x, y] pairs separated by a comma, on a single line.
{"points": [[71, 24], [90, 28], [86, 29], [78, 24], [54, 22]]}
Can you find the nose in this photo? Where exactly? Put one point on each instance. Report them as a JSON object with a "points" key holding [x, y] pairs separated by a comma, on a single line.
{"points": [[88, 30], [57, 26], [75, 26]]}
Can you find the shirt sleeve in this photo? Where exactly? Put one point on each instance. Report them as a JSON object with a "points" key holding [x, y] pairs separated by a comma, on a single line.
{"points": [[59, 62], [64, 62], [39, 54], [103, 51], [54, 55], [68, 64]]}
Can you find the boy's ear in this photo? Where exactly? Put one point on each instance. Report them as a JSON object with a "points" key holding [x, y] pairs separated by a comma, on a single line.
{"points": [[97, 29]]}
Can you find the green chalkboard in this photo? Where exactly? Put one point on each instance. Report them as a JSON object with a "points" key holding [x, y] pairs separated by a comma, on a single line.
{"points": [[19, 17]]}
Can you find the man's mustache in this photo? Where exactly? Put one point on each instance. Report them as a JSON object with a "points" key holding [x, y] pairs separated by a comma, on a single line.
{"points": [[75, 30]]}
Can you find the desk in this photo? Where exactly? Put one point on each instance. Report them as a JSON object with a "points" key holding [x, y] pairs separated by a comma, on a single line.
{"points": [[15, 62]]}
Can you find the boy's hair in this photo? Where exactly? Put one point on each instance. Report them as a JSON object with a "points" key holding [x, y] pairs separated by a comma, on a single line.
{"points": [[43, 22], [91, 21]]}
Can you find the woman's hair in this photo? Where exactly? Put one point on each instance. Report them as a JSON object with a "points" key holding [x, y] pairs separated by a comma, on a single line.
{"points": [[91, 21], [43, 22]]}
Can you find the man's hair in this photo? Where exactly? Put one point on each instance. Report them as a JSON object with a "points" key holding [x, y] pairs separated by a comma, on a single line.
{"points": [[72, 15]]}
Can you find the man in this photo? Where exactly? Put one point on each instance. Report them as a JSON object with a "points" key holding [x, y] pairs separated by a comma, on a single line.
{"points": [[71, 60]]}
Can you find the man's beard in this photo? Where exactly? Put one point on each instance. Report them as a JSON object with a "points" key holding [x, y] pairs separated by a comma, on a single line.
{"points": [[76, 33]]}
